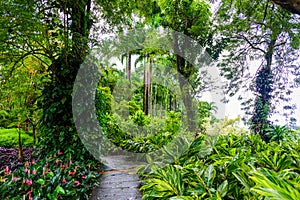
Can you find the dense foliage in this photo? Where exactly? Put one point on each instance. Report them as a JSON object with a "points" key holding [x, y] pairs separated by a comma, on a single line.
{"points": [[43, 44], [55, 177], [228, 167]]}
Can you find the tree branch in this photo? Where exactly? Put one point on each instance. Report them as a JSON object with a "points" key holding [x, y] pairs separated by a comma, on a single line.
{"points": [[251, 44]]}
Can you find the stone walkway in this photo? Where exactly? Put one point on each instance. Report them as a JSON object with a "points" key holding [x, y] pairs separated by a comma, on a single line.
{"points": [[119, 180]]}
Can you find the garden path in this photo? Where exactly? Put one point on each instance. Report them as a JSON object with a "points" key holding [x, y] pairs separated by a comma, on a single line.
{"points": [[119, 180]]}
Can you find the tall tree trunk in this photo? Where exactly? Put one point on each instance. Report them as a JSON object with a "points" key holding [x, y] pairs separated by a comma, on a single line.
{"points": [[128, 68], [170, 102], [58, 125], [184, 70], [34, 133], [147, 86], [155, 99], [149, 100], [264, 81], [20, 149]]}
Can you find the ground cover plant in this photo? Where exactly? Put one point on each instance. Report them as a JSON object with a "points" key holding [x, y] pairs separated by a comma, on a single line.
{"points": [[55, 177], [228, 167]]}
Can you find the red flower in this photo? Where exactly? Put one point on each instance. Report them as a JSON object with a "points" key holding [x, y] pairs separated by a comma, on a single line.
{"points": [[28, 182], [60, 153], [77, 183]]}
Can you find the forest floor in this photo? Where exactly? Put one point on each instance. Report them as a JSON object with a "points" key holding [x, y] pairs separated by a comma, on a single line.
{"points": [[119, 180]]}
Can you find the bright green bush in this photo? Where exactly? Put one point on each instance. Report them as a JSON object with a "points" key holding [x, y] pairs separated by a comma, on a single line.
{"points": [[140, 118], [9, 138]]}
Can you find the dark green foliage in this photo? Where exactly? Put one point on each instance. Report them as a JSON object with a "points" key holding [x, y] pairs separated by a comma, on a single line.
{"points": [[57, 176], [263, 91]]}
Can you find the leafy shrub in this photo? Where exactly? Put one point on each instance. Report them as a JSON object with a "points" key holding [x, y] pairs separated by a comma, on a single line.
{"points": [[276, 133], [229, 167], [172, 122], [55, 177], [9, 138], [140, 118], [133, 107], [103, 100]]}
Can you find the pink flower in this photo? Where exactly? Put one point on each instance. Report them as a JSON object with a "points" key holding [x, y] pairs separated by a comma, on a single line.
{"points": [[29, 192], [88, 165], [57, 161], [76, 166], [64, 181], [32, 162], [15, 178], [77, 183], [45, 172], [28, 182], [71, 173], [30, 198], [6, 171], [60, 153], [34, 172], [83, 177]]}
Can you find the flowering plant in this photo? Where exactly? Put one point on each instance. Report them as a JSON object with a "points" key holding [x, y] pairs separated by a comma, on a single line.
{"points": [[55, 177]]}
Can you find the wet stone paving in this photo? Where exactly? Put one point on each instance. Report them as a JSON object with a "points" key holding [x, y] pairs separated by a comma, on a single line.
{"points": [[119, 180]]}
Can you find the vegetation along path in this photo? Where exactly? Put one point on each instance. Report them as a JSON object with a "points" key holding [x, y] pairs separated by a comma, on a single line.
{"points": [[119, 180]]}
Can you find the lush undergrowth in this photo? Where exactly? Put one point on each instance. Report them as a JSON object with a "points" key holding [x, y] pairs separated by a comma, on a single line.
{"points": [[56, 177], [228, 167], [141, 139]]}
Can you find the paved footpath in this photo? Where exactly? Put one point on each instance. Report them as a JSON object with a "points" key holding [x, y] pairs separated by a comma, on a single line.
{"points": [[119, 180]]}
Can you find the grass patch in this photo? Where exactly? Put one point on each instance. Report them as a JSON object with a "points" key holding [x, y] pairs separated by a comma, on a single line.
{"points": [[9, 138]]}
